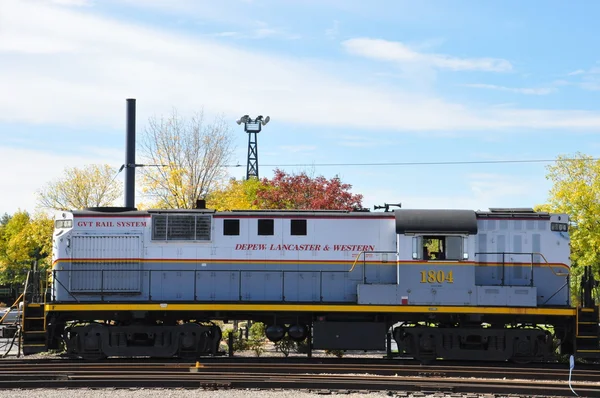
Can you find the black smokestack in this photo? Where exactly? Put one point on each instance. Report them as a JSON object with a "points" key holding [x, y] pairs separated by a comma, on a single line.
{"points": [[130, 155]]}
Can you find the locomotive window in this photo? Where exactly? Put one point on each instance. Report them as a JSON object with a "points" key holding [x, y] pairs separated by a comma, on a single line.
{"points": [[298, 227], [180, 227], [266, 227], [443, 248], [231, 227]]}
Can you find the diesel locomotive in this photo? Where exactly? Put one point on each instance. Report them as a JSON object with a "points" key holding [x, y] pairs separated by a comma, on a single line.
{"points": [[451, 284]]}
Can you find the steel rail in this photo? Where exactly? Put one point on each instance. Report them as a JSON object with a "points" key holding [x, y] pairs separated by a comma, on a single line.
{"points": [[329, 376], [311, 382]]}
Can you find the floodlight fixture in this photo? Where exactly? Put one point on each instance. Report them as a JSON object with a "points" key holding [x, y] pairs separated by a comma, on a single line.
{"points": [[243, 119]]}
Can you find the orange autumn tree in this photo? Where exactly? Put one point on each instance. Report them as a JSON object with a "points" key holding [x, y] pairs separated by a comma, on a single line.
{"points": [[302, 192]]}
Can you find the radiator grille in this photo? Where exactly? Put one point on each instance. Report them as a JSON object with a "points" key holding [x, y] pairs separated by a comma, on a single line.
{"points": [[106, 264]]}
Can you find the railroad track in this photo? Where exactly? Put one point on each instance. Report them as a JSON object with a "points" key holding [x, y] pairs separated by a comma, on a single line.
{"points": [[312, 375]]}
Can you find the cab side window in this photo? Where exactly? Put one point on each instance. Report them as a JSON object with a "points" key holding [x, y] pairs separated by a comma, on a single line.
{"points": [[439, 247]]}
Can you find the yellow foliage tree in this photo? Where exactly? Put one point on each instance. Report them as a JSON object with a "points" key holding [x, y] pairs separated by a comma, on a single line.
{"points": [[24, 240], [91, 186], [576, 192], [235, 195]]}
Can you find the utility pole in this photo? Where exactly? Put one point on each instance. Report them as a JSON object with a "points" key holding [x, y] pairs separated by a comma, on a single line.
{"points": [[252, 127]]}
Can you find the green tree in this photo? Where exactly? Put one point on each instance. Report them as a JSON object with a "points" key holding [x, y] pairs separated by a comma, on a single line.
{"points": [[91, 186], [189, 156], [576, 192], [5, 219], [286, 345], [257, 338]]}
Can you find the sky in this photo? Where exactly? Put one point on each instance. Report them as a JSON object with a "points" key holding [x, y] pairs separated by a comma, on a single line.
{"points": [[362, 85]]}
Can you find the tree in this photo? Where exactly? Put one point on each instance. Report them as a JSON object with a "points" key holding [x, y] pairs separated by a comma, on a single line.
{"points": [[5, 219], [24, 240], [92, 186], [576, 192], [300, 191], [236, 195], [193, 154]]}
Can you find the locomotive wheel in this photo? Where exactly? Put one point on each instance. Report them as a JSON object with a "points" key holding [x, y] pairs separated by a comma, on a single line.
{"points": [[97, 356], [199, 340], [522, 360]]}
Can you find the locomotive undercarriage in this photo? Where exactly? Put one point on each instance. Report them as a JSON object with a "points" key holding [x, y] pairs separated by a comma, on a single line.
{"points": [[427, 343], [97, 341], [449, 337], [473, 337]]}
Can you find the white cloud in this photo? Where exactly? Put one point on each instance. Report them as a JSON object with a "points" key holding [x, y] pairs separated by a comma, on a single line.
{"points": [[595, 70], [26, 171], [496, 188], [263, 32], [518, 90], [226, 34], [242, 14], [76, 3], [396, 51], [586, 79], [66, 66]]}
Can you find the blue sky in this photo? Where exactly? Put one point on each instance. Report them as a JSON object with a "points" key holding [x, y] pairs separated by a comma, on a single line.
{"points": [[344, 81]]}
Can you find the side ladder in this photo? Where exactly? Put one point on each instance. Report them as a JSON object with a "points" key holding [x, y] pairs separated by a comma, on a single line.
{"points": [[33, 329], [587, 337], [33, 324]]}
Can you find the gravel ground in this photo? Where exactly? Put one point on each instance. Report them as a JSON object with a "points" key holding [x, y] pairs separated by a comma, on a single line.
{"points": [[171, 393]]}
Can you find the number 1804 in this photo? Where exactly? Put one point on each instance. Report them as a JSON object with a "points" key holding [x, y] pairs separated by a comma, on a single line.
{"points": [[433, 276]]}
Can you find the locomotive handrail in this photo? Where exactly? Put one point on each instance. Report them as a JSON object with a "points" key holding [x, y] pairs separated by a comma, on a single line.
{"points": [[63, 286], [355, 261], [25, 286], [14, 305], [556, 292], [364, 252], [550, 266], [546, 262], [369, 252], [48, 284]]}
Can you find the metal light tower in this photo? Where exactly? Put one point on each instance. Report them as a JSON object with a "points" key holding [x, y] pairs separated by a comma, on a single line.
{"points": [[252, 127]]}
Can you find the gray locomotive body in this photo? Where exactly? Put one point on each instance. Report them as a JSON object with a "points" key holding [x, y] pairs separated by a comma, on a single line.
{"points": [[451, 283]]}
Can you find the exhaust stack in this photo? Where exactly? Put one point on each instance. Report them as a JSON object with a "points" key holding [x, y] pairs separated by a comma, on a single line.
{"points": [[130, 155]]}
